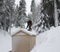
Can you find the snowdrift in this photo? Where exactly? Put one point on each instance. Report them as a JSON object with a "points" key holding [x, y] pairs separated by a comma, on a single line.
{"points": [[5, 41], [48, 41]]}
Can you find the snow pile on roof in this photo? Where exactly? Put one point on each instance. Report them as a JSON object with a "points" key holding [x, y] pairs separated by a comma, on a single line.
{"points": [[48, 41], [29, 32], [15, 30], [5, 41]]}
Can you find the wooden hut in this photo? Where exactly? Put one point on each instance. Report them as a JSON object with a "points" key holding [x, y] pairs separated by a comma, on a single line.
{"points": [[23, 41]]}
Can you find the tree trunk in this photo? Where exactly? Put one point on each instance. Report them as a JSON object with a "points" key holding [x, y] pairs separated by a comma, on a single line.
{"points": [[55, 14]]}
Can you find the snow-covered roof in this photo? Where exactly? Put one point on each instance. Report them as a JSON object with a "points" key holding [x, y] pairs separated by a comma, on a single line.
{"points": [[48, 41], [31, 33], [15, 30]]}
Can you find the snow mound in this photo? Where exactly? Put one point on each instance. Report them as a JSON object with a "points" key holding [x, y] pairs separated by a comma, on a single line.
{"points": [[14, 30], [5, 41], [48, 41]]}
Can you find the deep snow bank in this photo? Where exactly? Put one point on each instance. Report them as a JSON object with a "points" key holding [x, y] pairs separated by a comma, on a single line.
{"points": [[48, 41], [5, 41]]}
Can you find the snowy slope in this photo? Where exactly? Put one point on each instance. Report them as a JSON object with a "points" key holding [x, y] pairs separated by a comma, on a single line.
{"points": [[48, 41], [14, 30], [5, 41]]}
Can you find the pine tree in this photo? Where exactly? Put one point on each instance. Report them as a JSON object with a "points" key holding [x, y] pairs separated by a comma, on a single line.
{"points": [[21, 13], [16, 16], [9, 13], [7, 9], [58, 9], [33, 6], [33, 10], [40, 18], [1, 11], [50, 7], [42, 22]]}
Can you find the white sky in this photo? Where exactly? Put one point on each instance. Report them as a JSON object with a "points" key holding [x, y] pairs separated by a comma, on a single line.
{"points": [[28, 3]]}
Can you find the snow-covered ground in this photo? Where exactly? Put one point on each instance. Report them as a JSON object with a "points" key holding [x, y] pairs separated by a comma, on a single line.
{"points": [[48, 41], [5, 41], [14, 30]]}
